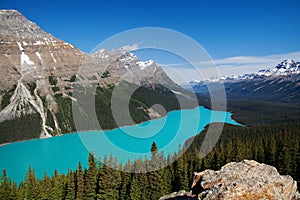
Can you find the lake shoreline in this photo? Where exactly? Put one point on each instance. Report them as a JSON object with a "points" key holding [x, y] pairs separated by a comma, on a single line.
{"points": [[75, 132]]}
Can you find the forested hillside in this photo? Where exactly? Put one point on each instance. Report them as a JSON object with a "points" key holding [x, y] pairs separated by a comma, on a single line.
{"points": [[28, 127]]}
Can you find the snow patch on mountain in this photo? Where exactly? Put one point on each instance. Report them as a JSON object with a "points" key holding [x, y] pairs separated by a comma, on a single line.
{"points": [[20, 46], [39, 56], [143, 65], [25, 59], [53, 58]]}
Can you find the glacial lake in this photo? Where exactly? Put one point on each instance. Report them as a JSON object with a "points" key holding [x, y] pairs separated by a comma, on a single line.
{"points": [[64, 152]]}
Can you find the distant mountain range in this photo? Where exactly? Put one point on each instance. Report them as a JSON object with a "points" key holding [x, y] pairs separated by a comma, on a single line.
{"points": [[279, 84], [285, 68], [38, 73]]}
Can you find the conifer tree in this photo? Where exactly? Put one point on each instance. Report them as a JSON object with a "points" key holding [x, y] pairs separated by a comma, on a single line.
{"points": [[271, 151], [91, 178], [157, 185], [181, 178], [284, 156], [70, 185], [135, 189], [125, 182], [57, 186], [46, 187], [238, 151], [108, 180], [139, 183], [79, 182], [21, 194], [6, 190], [32, 185]]}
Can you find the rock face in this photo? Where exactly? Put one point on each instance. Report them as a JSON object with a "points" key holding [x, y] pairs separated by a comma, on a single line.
{"points": [[241, 180], [181, 195], [28, 51], [127, 66]]}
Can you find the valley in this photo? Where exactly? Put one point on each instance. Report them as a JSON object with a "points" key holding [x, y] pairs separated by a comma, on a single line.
{"points": [[110, 125]]}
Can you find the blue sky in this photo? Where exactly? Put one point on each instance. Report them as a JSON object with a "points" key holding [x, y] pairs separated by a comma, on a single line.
{"points": [[255, 28], [223, 28]]}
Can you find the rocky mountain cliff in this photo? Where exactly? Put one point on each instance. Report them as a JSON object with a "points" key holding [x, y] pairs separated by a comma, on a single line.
{"points": [[38, 73], [29, 52], [240, 180], [127, 66]]}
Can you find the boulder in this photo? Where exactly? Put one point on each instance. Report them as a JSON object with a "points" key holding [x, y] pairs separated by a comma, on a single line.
{"points": [[241, 180], [244, 180]]}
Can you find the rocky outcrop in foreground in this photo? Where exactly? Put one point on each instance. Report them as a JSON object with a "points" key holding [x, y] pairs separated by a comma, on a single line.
{"points": [[240, 180]]}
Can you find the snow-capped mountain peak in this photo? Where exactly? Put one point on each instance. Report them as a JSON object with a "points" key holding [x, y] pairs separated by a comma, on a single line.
{"points": [[123, 59], [286, 67], [288, 63], [143, 65]]}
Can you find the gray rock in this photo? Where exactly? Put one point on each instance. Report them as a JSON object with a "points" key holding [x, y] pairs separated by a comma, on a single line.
{"points": [[181, 195], [240, 180], [244, 180]]}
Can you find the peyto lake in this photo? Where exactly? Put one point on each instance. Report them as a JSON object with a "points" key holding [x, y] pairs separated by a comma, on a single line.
{"points": [[64, 152]]}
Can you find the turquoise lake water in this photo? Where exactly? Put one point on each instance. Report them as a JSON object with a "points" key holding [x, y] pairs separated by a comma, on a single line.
{"points": [[64, 152]]}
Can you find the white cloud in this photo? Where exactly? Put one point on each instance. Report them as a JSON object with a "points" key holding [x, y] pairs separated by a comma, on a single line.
{"points": [[227, 66], [130, 47]]}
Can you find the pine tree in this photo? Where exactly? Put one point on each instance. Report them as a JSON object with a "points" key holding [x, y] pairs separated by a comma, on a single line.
{"points": [[46, 187], [139, 182], [157, 185], [57, 186], [70, 185], [14, 193], [284, 156], [79, 182], [6, 190], [167, 178], [32, 185], [238, 151], [135, 189], [271, 151], [125, 181], [91, 178], [181, 179], [154, 150], [21, 194], [260, 151], [108, 180]]}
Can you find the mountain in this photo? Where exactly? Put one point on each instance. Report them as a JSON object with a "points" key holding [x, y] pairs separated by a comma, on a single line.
{"points": [[278, 84], [285, 68], [29, 52], [124, 64], [39, 73]]}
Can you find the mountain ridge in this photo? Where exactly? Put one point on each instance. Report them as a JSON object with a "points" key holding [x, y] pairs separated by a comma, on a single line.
{"points": [[278, 84], [39, 73], [285, 68]]}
